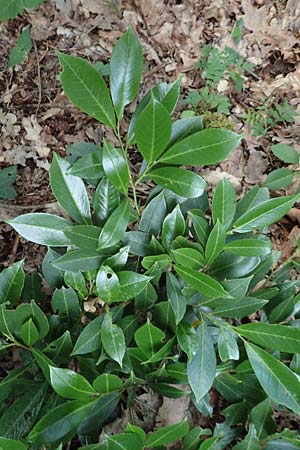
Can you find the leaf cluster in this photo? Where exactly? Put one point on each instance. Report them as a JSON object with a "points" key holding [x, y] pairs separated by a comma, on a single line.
{"points": [[147, 296]]}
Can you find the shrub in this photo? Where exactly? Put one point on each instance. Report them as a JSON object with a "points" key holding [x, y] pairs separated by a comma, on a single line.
{"points": [[155, 295]]}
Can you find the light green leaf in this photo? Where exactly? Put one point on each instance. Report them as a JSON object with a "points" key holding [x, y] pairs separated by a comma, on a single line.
{"points": [[277, 380], [89, 338], [69, 191], [106, 383], [88, 166], [183, 182], [173, 226], [113, 340], [208, 146], [275, 337], [69, 384], [19, 53], [153, 130], [224, 203], [11, 283], [279, 178], [115, 167], [126, 66], [10, 444], [215, 243], [86, 88], [249, 247], [264, 214], [188, 257], [168, 434], [124, 441], [115, 226], [286, 153], [10, 9], [201, 369], [203, 283]]}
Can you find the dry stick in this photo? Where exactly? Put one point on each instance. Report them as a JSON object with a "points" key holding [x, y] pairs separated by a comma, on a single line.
{"points": [[39, 76]]}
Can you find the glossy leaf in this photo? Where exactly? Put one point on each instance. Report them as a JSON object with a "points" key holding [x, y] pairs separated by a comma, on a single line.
{"points": [[149, 339], [106, 383], [88, 166], [173, 226], [250, 442], [183, 128], [279, 178], [86, 88], [124, 441], [224, 203], [240, 308], [227, 345], [208, 146], [115, 227], [113, 340], [78, 261], [286, 153], [277, 380], [115, 167], [10, 444], [76, 281], [215, 243], [183, 182], [11, 282], [126, 66], [29, 333], [188, 257], [264, 214], [65, 301], [203, 283], [83, 236], [69, 384], [153, 130], [178, 301], [106, 199], [89, 339], [261, 417], [252, 198], [275, 337], [167, 434], [249, 247], [187, 337], [201, 369], [154, 214], [69, 191]]}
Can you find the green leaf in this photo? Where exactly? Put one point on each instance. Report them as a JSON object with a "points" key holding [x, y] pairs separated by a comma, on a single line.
{"points": [[10, 444], [29, 333], [86, 88], [69, 191], [126, 67], [208, 146], [78, 261], [149, 339], [106, 199], [250, 442], [277, 380], [183, 128], [275, 337], [42, 228], [162, 352], [200, 226], [19, 417], [173, 226], [115, 167], [11, 283], [240, 308], [286, 153], [113, 340], [215, 243], [89, 339], [10, 10], [162, 261], [183, 182], [59, 349], [279, 178], [7, 177], [69, 384], [168, 434], [19, 53], [118, 260], [203, 283], [65, 301], [130, 428], [188, 257], [124, 441], [224, 203], [249, 247], [83, 236], [154, 214], [264, 214], [210, 443], [60, 422], [254, 197], [178, 301], [261, 417], [153, 130], [115, 226], [88, 166], [106, 383], [201, 369], [227, 345], [76, 281], [187, 339]]}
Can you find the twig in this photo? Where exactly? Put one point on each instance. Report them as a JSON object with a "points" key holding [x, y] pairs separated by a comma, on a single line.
{"points": [[39, 76]]}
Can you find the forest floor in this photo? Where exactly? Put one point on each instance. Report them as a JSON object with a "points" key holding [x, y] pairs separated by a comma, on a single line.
{"points": [[36, 118]]}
